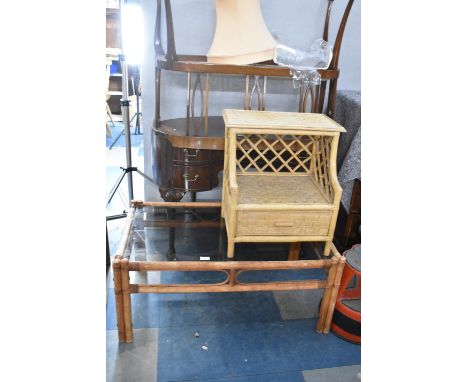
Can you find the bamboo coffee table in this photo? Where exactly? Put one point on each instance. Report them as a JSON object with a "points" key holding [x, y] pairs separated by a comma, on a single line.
{"points": [[201, 246]]}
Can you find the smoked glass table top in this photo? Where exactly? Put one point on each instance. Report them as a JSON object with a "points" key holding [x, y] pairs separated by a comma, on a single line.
{"points": [[183, 234]]}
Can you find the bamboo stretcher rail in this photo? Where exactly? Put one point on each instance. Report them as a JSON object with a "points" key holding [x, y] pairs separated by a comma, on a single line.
{"points": [[245, 287], [225, 265]]}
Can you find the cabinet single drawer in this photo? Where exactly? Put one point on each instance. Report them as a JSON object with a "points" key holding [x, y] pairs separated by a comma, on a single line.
{"points": [[191, 178], [190, 155], [289, 223]]}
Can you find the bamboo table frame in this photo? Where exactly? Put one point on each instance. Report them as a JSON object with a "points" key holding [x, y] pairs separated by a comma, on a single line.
{"points": [[123, 289]]}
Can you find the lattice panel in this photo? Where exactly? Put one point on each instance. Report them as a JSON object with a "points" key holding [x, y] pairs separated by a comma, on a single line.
{"points": [[266, 153], [286, 154]]}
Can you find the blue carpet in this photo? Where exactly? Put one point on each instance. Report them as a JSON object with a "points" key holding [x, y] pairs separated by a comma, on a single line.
{"points": [[246, 337], [175, 310], [247, 349], [294, 376], [136, 139]]}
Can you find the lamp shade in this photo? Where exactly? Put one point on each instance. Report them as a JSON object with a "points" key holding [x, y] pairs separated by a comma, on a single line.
{"points": [[241, 36]]}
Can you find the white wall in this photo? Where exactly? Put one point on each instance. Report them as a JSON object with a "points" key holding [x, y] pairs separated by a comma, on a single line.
{"points": [[298, 23]]}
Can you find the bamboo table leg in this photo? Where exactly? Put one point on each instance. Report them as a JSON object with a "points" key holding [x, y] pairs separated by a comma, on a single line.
{"points": [[334, 294], [294, 251], [127, 301], [327, 295], [118, 299]]}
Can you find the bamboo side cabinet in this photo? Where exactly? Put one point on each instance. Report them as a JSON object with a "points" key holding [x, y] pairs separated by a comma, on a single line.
{"points": [[280, 181]]}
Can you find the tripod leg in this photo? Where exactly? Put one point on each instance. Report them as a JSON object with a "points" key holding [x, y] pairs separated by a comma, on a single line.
{"points": [[116, 139], [116, 186]]}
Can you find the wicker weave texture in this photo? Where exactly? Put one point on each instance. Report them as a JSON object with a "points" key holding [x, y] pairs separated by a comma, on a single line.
{"points": [[280, 180], [307, 223], [284, 120], [284, 189]]}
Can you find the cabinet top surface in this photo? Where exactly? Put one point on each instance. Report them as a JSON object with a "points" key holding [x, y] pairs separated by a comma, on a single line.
{"points": [[283, 120]]}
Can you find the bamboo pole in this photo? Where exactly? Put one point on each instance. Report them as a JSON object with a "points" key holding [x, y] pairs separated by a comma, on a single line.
{"points": [[248, 287], [144, 266], [327, 295], [126, 299], [337, 190], [232, 277], [118, 299], [125, 233], [334, 294]]}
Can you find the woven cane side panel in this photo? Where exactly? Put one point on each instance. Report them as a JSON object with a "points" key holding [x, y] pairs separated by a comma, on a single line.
{"points": [[294, 223], [320, 165]]}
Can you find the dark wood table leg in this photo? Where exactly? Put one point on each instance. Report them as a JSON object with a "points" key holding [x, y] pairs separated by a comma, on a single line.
{"points": [[108, 260], [171, 195], [294, 251]]}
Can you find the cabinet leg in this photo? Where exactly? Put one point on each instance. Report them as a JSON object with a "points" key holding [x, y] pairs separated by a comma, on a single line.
{"points": [[326, 250], [230, 249], [171, 214]]}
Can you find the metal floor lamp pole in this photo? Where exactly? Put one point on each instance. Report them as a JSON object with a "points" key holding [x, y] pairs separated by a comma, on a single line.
{"points": [[137, 114], [126, 171], [125, 103]]}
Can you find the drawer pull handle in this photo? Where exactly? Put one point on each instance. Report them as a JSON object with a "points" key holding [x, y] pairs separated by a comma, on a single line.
{"points": [[190, 180], [283, 224], [187, 152]]}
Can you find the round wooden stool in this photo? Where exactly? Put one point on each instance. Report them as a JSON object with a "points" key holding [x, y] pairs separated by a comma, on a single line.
{"points": [[346, 322]]}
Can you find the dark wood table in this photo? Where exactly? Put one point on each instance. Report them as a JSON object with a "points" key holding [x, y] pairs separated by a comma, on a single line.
{"points": [[188, 155]]}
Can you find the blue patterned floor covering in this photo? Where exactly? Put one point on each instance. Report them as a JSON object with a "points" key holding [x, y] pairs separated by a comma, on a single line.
{"points": [[246, 338], [137, 139]]}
